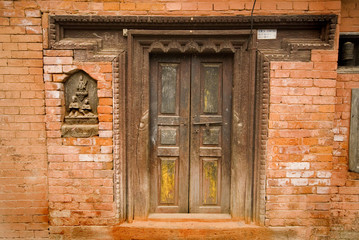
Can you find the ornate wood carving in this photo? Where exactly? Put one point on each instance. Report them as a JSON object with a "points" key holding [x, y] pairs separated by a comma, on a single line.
{"points": [[206, 22], [198, 46], [294, 46], [119, 134]]}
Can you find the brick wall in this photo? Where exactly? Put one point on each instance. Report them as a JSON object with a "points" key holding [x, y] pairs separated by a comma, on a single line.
{"points": [[345, 190], [80, 175], [344, 214], [300, 143], [349, 16], [309, 188], [345, 185], [23, 160]]}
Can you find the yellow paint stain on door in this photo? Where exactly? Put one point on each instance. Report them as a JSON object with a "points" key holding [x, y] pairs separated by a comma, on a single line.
{"points": [[168, 172]]}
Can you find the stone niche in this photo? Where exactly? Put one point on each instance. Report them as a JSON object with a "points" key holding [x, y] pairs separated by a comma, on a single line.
{"points": [[81, 103]]}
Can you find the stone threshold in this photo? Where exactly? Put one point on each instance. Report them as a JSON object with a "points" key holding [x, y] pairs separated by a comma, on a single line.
{"points": [[190, 227]]}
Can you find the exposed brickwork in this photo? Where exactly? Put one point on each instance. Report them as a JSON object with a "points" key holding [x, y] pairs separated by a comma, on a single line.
{"points": [[309, 189], [300, 143], [23, 160], [80, 169], [345, 191], [344, 212], [349, 21]]}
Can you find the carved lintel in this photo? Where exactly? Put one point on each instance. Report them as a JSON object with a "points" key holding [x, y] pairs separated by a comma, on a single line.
{"points": [[193, 46], [175, 47], [157, 47], [79, 130]]}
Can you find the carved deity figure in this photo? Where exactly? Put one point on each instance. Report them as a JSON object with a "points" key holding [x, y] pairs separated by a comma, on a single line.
{"points": [[86, 108], [82, 84], [74, 107]]}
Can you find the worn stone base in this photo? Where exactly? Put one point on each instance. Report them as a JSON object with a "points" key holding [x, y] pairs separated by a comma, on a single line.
{"points": [[190, 230], [80, 131]]}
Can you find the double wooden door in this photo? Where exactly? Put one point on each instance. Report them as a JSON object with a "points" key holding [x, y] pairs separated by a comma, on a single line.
{"points": [[190, 133]]}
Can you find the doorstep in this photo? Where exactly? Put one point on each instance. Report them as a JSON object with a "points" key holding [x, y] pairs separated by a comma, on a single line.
{"points": [[190, 226]]}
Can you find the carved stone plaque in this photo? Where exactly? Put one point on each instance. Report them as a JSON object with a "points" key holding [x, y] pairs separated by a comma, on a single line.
{"points": [[81, 106]]}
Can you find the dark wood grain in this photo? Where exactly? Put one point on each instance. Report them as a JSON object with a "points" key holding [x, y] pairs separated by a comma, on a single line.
{"points": [[169, 113], [210, 110], [354, 129], [237, 62]]}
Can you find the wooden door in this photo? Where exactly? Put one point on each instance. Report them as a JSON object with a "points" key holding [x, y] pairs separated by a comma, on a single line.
{"points": [[190, 133]]}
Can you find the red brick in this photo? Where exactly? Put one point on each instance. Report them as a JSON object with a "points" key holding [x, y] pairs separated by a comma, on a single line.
{"points": [[58, 53], [268, 6], [220, 6], [104, 109], [4, 21], [280, 73], [143, 6], [95, 6], [106, 68], [105, 117], [189, 6], [25, 21], [111, 6], [329, 66], [128, 6], [300, 5], [158, 7], [26, 54], [316, 6], [206, 6], [33, 30], [12, 30], [333, 5], [173, 6], [7, 4], [104, 85], [25, 4], [105, 101], [104, 93], [57, 60], [324, 83], [105, 125], [284, 6], [32, 13], [297, 65], [11, 13], [26, 38]]}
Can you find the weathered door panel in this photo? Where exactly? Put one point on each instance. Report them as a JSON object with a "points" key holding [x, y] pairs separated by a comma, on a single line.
{"points": [[169, 131], [190, 115], [211, 86]]}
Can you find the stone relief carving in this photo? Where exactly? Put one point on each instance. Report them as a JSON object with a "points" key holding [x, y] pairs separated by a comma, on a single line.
{"points": [[81, 106]]}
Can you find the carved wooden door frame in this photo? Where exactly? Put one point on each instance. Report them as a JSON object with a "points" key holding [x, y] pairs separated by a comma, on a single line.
{"points": [[239, 43]]}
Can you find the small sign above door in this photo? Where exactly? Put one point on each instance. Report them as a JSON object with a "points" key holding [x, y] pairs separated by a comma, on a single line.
{"points": [[267, 34]]}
